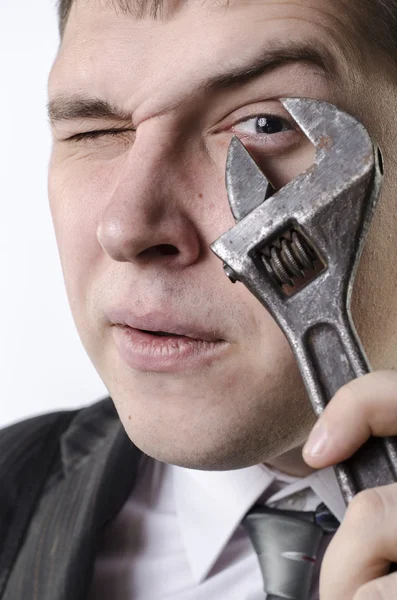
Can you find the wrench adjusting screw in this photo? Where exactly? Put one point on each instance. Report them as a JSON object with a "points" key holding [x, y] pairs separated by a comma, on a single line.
{"points": [[291, 258]]}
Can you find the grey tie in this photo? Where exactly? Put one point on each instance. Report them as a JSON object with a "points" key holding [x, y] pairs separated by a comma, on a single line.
{"points": [[287, 543]]}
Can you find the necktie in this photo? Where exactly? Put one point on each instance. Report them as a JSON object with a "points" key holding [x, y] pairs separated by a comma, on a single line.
{"points": [[287, 543]]}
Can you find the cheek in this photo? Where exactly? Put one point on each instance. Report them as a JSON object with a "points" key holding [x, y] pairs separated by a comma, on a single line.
{"points": [[283, 169], [75, 202], [208, 207]]}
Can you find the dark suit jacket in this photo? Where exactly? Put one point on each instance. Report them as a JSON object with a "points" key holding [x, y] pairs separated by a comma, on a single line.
{"points": [[63, 476]]}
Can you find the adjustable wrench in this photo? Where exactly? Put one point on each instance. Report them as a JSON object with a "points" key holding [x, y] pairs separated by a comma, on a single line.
{"points": [[297, 251]]}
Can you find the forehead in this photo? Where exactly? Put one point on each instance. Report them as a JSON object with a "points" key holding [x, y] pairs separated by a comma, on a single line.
{"points": [[161, 15], [165, 9], [130, 53]]}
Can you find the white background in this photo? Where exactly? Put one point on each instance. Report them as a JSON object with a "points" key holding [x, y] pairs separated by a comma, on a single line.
{"points": [[43, 365]]}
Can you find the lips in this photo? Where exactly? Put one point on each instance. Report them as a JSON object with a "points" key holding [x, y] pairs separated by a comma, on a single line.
{"points": [[161, 325], [158, 343]]}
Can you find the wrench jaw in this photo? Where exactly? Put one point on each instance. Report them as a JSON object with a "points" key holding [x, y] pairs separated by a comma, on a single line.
{"points": [[330, 207], [249, 178]]}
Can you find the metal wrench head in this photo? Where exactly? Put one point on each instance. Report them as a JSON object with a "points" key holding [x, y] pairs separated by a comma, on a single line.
{"points": [[320, 218]]}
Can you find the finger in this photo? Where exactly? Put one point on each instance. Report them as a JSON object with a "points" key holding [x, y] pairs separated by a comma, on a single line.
{"points": [[363, 547], [384, 588], [366, 406]]}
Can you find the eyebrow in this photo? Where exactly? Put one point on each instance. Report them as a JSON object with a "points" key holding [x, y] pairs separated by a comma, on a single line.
{"points": [[76, 107], [281, 53], [71, 108]]}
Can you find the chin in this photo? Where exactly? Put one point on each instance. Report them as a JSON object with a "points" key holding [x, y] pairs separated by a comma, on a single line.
{"points": [[211, 443], [233, 415]]}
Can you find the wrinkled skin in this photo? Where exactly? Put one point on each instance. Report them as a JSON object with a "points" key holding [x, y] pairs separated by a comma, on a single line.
{"points": [[117, 200]]}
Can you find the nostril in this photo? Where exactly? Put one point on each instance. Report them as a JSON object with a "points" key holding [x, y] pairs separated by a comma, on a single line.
{"points": [[160, 250], [167, 249]]}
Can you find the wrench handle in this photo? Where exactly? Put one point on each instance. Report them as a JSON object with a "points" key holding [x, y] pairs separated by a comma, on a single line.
{"points": [[331, 356]]}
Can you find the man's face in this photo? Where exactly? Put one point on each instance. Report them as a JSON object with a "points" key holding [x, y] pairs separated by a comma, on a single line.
{"points": [[135, 211]]}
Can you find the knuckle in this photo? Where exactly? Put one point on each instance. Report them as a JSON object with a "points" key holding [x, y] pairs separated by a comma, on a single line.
{"points": [[371, 591], [349, 400], [366, 509], [351, 391]]}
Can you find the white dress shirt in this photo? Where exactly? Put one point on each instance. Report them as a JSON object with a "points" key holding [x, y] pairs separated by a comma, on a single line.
{"points": [[179, 535]]}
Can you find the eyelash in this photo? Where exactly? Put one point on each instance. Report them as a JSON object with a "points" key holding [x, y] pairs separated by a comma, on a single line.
{"points": [[92, 135], [95, 134]]}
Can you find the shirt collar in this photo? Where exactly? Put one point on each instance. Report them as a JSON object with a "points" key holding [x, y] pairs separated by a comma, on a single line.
{"points": [[211, 504]]}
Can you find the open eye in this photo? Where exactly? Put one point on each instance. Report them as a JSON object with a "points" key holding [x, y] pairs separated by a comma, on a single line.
{"points": [[262, 125]]}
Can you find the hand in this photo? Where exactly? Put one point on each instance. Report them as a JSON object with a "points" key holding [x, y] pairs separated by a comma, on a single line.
{"points": [[357, 561]]}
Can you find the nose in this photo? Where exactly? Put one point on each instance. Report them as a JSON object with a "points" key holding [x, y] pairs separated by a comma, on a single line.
{"points": [[149, 217]]}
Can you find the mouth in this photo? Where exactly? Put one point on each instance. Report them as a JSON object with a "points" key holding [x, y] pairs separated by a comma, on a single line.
{"points": [[206, 337], [166, 351], [159, 333]]}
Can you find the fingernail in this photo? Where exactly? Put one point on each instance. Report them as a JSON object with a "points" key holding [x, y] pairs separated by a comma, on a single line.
{"points": [[317, 442]]}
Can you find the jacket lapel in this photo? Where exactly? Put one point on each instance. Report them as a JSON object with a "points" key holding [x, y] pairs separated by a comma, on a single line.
{"points": [[95, 475]]}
